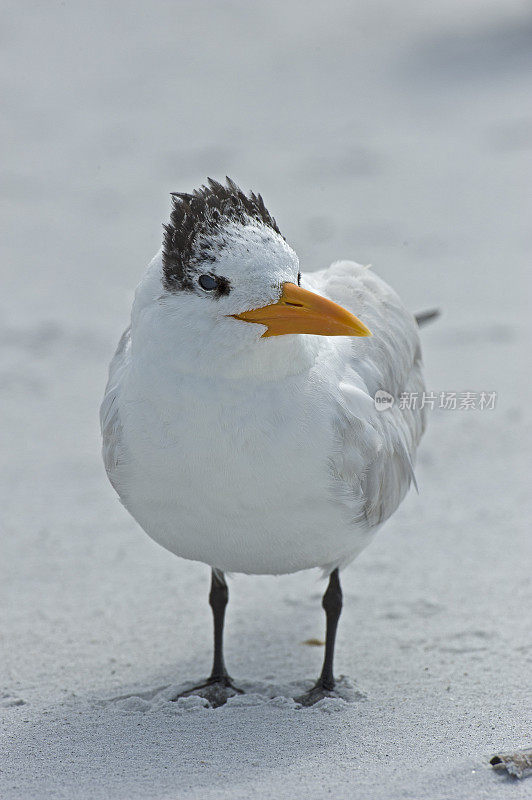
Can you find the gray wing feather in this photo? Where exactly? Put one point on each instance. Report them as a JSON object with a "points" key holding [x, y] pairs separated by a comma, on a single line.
{"points": [[110, 424], [373, 465]]}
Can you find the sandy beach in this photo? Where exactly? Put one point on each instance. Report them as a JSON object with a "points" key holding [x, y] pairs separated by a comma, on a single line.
{"points": [[396, 135]]}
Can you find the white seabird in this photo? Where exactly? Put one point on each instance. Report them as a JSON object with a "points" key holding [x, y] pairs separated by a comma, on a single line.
{"points": [[239, 422]]}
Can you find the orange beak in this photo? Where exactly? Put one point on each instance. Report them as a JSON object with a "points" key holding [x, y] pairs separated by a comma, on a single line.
{"points": [[300, 311]]}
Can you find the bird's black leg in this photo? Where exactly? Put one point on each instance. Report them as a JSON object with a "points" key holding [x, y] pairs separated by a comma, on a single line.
{"points": [[218, 599], [332, 604], [218, 686]]}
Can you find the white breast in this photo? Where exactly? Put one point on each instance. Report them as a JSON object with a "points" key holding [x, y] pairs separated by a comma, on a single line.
{"points": [[237, 476]]}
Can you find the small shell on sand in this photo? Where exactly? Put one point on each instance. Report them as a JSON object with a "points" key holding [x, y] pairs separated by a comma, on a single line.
{"points": [[517, 764]]}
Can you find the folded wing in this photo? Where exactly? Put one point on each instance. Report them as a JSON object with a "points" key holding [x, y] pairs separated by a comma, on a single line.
{"points": [[373, 462], [112, 442]]}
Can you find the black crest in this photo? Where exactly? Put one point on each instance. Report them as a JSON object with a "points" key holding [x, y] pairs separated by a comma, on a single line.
{"points": [[196, 217]]}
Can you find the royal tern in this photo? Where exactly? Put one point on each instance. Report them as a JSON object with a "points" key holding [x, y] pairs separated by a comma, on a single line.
{"points": [[239, 422]]}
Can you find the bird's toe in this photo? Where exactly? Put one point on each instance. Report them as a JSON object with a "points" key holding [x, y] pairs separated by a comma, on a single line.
{"points": [[216, 692], [314, 695]]}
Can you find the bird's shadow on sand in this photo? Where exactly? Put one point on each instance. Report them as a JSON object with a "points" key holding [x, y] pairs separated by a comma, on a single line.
{"points": [[140, 738]]}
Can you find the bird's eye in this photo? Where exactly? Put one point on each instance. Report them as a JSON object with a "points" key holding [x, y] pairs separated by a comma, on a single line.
{"points": [[299, 279], [207, 282]]}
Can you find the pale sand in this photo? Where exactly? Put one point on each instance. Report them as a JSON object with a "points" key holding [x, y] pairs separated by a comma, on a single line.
{"points": [[394, 135]]}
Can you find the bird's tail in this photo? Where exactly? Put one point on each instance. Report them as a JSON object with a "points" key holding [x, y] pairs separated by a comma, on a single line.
{"points": [[427, 316]]}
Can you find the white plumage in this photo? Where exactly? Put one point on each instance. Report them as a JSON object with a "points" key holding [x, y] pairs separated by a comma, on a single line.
{"points": [[260, 455]]}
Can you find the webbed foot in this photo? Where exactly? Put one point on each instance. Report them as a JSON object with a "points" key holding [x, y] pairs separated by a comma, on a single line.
{"points": [[314, 695], [216, 691]]}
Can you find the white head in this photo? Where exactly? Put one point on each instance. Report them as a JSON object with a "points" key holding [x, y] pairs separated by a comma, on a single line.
{"points": [[226, 249], [224, 264]]}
